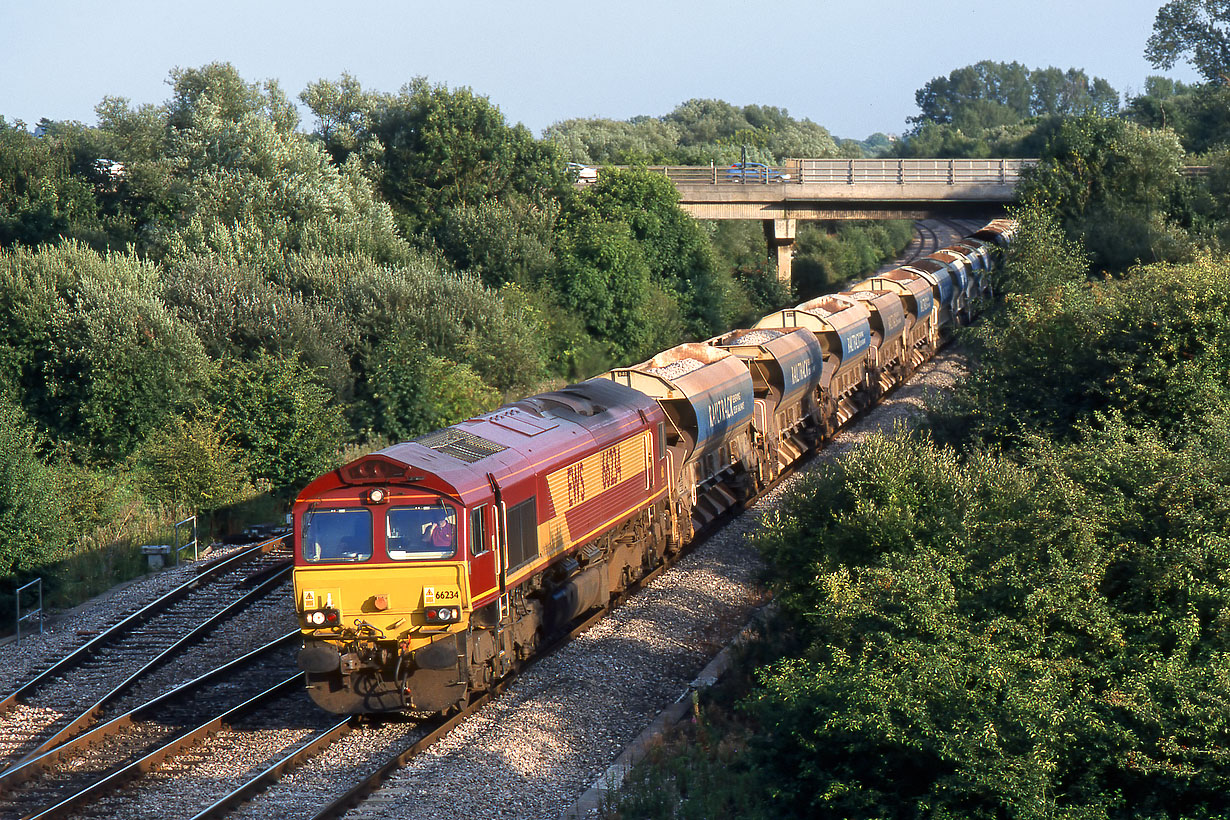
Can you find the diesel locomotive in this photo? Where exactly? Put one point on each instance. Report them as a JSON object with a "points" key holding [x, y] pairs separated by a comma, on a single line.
{"points": [[428, 570]]}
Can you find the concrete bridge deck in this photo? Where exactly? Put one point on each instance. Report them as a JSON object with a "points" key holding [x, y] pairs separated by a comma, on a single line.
{"points": [[848, 188], [831, 189]]}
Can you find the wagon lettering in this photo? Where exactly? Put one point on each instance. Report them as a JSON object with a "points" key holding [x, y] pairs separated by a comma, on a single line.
{"points": [[725, 408]]}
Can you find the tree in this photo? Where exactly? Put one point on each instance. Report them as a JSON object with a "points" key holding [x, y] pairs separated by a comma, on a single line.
{"points": [[233, 178], [237, 312], [988, 637], [603, 276], [98, 359], [989, 94], [678, 254], [284, 421], [344, 116], [1199, 114], [1198, 30], [443, 148], [501, 241], [408, 392], [31, 529], [1110, 181], [696, 132], [193, 464], [976, 96], [47, 189], [454, 315]]}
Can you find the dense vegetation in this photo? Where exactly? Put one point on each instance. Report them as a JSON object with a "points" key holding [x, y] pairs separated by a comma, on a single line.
{"points": [[1019, 609], [203, 305]]}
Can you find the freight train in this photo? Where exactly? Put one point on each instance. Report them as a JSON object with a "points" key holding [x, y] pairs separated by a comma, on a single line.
{"points": [[428, 570]]}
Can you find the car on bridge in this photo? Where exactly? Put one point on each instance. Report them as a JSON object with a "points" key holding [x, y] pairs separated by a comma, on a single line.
{"points": [[582, 174], [755, 172]]}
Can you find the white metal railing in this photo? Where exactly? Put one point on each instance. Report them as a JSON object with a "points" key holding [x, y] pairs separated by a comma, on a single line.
{"points": [[854, 172], [30, 614], [723, 174], [911, 171], [179, 548], [865, 172]]}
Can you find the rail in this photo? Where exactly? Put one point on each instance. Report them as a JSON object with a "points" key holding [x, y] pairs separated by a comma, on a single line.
{"points": [[911, 171], [45, 760], [903, 172], [78, 656]]}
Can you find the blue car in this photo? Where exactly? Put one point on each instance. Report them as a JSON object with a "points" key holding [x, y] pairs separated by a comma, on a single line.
{"points": [[755, 172]]}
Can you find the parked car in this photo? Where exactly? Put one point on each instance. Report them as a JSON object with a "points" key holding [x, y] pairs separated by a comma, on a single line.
{"points": [[755, 172], [582, 174]]}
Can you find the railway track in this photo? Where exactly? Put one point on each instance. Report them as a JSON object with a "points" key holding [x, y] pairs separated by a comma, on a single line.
{"points": [[225, 766], [248, 775], [92, 681], [367, 795], [75, 773], [229, 759]]}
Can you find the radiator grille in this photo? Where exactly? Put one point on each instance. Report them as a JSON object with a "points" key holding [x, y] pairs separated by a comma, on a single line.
{"points": [[460, 445]]}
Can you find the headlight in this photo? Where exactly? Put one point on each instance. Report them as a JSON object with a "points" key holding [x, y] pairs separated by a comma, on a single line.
{"points": [[323, 617], [443, 615]]}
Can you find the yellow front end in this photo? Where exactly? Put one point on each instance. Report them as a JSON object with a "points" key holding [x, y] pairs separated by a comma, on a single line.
{"points": [[392, 599], [375, 634]]}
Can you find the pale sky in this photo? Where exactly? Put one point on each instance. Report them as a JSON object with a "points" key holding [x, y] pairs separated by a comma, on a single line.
{"points": [[852, 67]]}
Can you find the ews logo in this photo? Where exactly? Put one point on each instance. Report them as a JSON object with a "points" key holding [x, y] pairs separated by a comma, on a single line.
{"points": [[576, 485], [612, 468]]}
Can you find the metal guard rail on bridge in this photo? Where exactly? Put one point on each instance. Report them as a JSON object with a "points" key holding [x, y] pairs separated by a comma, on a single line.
{"points": [[855, 172]]}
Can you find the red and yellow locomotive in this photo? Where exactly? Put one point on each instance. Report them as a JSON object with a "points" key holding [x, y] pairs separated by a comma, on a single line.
{"points": [[434, 566]]}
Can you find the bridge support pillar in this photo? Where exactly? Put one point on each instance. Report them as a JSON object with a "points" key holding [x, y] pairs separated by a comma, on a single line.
{"points": [[779, 233]]}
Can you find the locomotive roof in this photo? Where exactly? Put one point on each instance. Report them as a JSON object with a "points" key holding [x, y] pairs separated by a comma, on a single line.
{"points": [[517, 438]]}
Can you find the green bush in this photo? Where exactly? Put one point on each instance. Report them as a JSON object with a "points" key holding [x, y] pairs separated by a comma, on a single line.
{"points": [[98, 358], [31, 525], [991, 639], [238, 313], [193, 465], [494, 332], [409, 392], [283, 421]]}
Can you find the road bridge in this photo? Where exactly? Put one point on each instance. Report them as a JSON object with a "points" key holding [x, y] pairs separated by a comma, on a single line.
{"points": [[827, 189]]}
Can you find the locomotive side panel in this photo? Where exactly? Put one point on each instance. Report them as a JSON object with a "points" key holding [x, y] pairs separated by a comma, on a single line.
{"points": [[582, 498]]}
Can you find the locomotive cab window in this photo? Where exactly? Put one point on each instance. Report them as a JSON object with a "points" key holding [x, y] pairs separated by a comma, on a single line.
{"points": [[423, 533], [478, 532], [337, 535]]}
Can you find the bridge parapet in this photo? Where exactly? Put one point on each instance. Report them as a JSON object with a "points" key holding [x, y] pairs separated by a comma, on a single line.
{"points": [[854, 172], [909, 171]]}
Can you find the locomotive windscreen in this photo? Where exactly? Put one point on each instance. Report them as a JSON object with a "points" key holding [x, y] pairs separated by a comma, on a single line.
{"points": [[427, 532], [337, 535]]}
